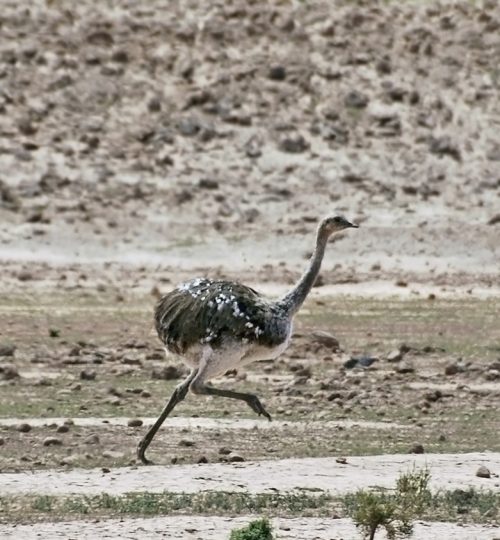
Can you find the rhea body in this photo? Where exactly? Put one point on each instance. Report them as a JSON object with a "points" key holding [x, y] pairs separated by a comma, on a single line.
{"points": [[217, 325]]}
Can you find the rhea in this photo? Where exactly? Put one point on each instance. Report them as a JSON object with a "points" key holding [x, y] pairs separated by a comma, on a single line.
{"points": [[217, 325]]}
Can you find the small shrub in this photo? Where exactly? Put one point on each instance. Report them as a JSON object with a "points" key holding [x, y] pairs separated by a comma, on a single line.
{"points": [[259, 529], [393, 511]]}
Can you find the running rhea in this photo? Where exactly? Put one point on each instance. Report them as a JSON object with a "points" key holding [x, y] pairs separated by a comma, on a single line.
{"points": [[216, 326]]}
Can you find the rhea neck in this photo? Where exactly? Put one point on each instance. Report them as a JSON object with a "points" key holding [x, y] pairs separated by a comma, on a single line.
{"points": [[292, 301]]}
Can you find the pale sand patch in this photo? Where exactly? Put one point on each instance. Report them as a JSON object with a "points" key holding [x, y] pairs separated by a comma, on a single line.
{"points": [[449, 471], [218, 528], [181, 422]]}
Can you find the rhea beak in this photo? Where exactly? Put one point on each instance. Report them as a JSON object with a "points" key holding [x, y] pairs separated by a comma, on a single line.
{"points": [[353, 225]]}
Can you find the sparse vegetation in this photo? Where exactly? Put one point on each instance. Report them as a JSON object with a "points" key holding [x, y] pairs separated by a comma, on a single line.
{"points": [[147, 503], [259, 529], [394, 511]]}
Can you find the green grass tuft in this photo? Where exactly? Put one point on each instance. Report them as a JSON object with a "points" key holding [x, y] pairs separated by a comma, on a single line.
{"points": [[259, 529]]}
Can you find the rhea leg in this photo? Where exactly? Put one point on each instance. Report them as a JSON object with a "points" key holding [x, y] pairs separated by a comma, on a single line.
{"points": [[198, 386], [179, 394]]}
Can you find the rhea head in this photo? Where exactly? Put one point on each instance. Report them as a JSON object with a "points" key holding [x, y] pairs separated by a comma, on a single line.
{"points": [[334, 224]]}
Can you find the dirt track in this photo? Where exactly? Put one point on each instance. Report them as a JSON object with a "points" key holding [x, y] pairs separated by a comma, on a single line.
{"points": [[217, 528], [448, 472]]}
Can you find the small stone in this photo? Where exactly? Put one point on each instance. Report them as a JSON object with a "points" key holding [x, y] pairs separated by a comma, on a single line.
{"points": [[167, 373], [277, 73], [120, 56], [135, 422], [293, 144], [494, 220], [483, 472], [405, 367], [154, 104], [25, 275], [224, 451], [9, 372], [7, 349], [105, 470], [433, 396], [235, 458], [452, 369], [23, 428], [2, 441], [71, 460], [145, 394], [394, 356], [202, 459], [186, 442], [356, 100], [444, 146], [341, 460], [88, 375], [92, 439], [63, 429], [52, 441], [417, 448], [208, 183], [326, 339]]}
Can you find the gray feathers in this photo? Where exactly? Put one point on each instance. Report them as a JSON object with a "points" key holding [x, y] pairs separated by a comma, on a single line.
{"points": [[203, 311]]}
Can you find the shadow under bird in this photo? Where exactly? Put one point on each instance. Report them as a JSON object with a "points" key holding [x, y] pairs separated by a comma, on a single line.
{"points": [[217, 325]]}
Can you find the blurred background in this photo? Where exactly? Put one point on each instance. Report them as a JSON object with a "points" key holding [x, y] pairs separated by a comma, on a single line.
{"points": [[147, 142]]}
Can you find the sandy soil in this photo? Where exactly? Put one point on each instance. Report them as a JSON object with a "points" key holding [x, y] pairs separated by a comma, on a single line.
{"points": [[448, 472], [218, 528]]}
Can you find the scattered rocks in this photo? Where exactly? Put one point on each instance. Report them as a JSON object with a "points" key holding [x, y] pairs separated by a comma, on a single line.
{"points": [[135, 422], [63, 429], [341, 460], [224, 451], [2, 441], [483, 472], [202, 459]]}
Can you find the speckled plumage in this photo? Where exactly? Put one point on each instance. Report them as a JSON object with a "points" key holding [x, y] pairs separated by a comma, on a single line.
{"points": [[217, 325], [218, 313]]}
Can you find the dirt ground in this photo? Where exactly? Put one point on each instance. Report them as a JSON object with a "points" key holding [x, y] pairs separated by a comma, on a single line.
{"points": [[141, 145]]}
